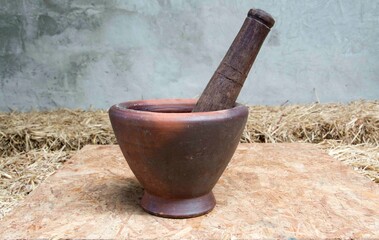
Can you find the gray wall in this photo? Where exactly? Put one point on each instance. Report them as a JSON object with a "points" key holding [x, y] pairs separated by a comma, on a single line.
{"points": [[96, 53]]}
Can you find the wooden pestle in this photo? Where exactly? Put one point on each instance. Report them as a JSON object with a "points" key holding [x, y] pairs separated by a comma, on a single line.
{"points": [[226, 83]]}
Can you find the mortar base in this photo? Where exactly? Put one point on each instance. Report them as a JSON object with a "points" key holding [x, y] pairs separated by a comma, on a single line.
{"points": [[178, 208]]}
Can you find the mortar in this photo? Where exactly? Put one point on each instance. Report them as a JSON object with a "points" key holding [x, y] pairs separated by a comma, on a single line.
{"points": [[177, 155]]}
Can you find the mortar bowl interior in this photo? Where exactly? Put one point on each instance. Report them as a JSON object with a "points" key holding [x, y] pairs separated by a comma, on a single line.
{"points": [[177, 156]]}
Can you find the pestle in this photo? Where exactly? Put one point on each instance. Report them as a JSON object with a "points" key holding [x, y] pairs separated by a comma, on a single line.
{"points": [[226, 83]]}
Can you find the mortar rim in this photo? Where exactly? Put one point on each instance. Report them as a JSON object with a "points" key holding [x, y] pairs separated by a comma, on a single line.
{"points": [[123, 108]]}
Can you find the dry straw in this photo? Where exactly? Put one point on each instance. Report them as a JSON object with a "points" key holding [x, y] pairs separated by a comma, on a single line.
{"points": [[354, 123], [33, 145], [364, 158], [22, 132], [22, 173]]}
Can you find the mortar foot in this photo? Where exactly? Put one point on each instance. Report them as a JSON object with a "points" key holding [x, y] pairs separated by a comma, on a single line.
{"points": [[178, 208]]}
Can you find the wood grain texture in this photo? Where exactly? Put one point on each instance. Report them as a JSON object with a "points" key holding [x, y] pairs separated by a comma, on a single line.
{"points": [[226, 83], [267, 191]]}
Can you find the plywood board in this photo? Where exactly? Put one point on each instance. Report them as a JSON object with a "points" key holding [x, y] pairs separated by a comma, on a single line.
{"points": [[267, 191]]}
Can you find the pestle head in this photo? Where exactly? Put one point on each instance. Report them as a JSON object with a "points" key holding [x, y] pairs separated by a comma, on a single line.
{"points": [[262, 17]]}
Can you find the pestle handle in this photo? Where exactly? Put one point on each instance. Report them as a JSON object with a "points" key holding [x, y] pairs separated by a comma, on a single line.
{"points": [[226, 83]]}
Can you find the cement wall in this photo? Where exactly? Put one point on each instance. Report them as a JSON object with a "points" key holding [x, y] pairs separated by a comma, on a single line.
{"points": [[83, 53]]}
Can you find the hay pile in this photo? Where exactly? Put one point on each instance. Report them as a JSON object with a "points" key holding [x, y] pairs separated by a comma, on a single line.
{"points": [[61, 129], [33, 145], [354, 123]]}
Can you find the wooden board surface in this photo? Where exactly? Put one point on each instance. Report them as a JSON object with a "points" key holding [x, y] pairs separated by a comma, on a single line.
{"points": [[268, 190]]}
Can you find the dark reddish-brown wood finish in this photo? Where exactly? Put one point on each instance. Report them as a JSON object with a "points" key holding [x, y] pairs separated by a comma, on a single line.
{"points": [[226, 83], [177, 155]]}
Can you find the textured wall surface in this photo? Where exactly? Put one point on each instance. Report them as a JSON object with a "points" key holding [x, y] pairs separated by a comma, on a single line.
{"points": [[96, 53]]}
